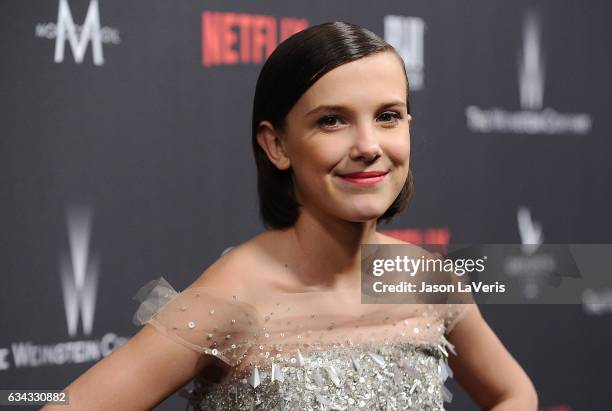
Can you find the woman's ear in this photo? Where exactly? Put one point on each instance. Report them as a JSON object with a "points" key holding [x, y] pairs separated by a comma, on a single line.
{"points": [[271, 141]]}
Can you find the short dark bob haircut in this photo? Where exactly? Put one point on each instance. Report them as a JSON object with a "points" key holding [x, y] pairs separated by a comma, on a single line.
{"points": [[295, 65]]}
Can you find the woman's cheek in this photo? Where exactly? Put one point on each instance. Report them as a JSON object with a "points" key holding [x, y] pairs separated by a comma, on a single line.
{"points": [[310, 177], [400, 152]]}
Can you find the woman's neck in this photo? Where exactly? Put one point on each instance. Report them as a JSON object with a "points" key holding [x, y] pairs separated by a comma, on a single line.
{"points": [[326, 252]]}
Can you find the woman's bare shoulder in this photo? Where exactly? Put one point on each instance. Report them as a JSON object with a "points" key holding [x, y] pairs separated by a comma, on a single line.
{"points": [[238, 267]]}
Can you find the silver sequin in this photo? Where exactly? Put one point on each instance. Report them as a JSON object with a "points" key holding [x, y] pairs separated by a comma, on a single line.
{"points": [[396, 376]]}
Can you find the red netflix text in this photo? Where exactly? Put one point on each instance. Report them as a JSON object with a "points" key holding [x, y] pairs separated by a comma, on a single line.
{"points": [[240, 38]]}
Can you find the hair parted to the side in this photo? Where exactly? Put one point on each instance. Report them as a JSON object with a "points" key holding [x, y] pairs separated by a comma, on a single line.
{"points": [[295, 65]]}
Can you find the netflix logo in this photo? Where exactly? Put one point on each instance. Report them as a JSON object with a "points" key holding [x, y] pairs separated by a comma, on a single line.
{"points": [[239, 38]]}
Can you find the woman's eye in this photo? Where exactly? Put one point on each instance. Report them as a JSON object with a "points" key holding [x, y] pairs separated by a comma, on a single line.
{"points": [[329, 121], [390, 117], [334, 121]]}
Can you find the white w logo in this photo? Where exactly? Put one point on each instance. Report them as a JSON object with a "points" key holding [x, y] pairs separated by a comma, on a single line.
{"points": [[79, 275], [90, 31]]}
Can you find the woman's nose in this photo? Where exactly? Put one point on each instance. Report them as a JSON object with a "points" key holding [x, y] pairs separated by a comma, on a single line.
{"points": [[366, 146]]}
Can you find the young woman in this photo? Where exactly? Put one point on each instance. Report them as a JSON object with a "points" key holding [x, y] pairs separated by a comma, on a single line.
{"points": [[276, 323]]}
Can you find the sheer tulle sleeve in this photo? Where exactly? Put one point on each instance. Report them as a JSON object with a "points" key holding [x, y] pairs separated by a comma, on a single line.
{"points": [[454, 314], [210, 321], [459, 303]]}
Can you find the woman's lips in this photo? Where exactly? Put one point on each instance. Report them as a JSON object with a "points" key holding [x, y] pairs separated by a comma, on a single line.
{"points": [[364, 178]]}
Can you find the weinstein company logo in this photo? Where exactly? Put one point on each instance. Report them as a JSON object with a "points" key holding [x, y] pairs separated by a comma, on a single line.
{"points": [[406, 35], [79, 281], [533, 118], [78, 36], [79, 273]]}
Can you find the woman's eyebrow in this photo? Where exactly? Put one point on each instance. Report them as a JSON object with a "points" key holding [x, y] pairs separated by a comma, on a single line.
{"points": [[335, 107]]}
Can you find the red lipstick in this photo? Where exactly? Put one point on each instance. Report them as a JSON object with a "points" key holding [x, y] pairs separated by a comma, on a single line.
{"points": [[364, 178]]}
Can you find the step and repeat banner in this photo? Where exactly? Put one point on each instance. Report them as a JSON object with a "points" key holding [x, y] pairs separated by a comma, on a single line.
{"points": [[125, 155]]}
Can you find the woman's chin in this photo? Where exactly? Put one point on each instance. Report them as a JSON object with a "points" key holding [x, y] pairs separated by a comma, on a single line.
{"points": [[364, 215]]}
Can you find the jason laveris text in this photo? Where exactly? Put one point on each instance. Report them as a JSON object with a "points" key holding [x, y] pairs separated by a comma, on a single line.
{"points": [[425, 287]]}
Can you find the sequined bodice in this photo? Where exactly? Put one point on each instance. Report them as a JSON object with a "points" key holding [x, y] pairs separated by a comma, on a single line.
{"points": [[307, 351], [396, 376]]}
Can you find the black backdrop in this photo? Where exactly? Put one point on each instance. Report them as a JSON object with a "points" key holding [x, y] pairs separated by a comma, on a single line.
{"points": [[128, 157]]}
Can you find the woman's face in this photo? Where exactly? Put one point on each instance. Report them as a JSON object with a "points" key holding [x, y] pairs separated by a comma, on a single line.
{"points": [[353, 119]]}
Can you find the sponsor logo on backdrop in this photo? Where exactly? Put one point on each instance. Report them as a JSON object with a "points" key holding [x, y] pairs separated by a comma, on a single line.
{"points": [[79, 282], [230, 38], [534, 117], [407, 35], [78, 36], [597, 302], [563, 407], [433, 235], [4, 363], [79, 273], [529, 230], [533, 269]]}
